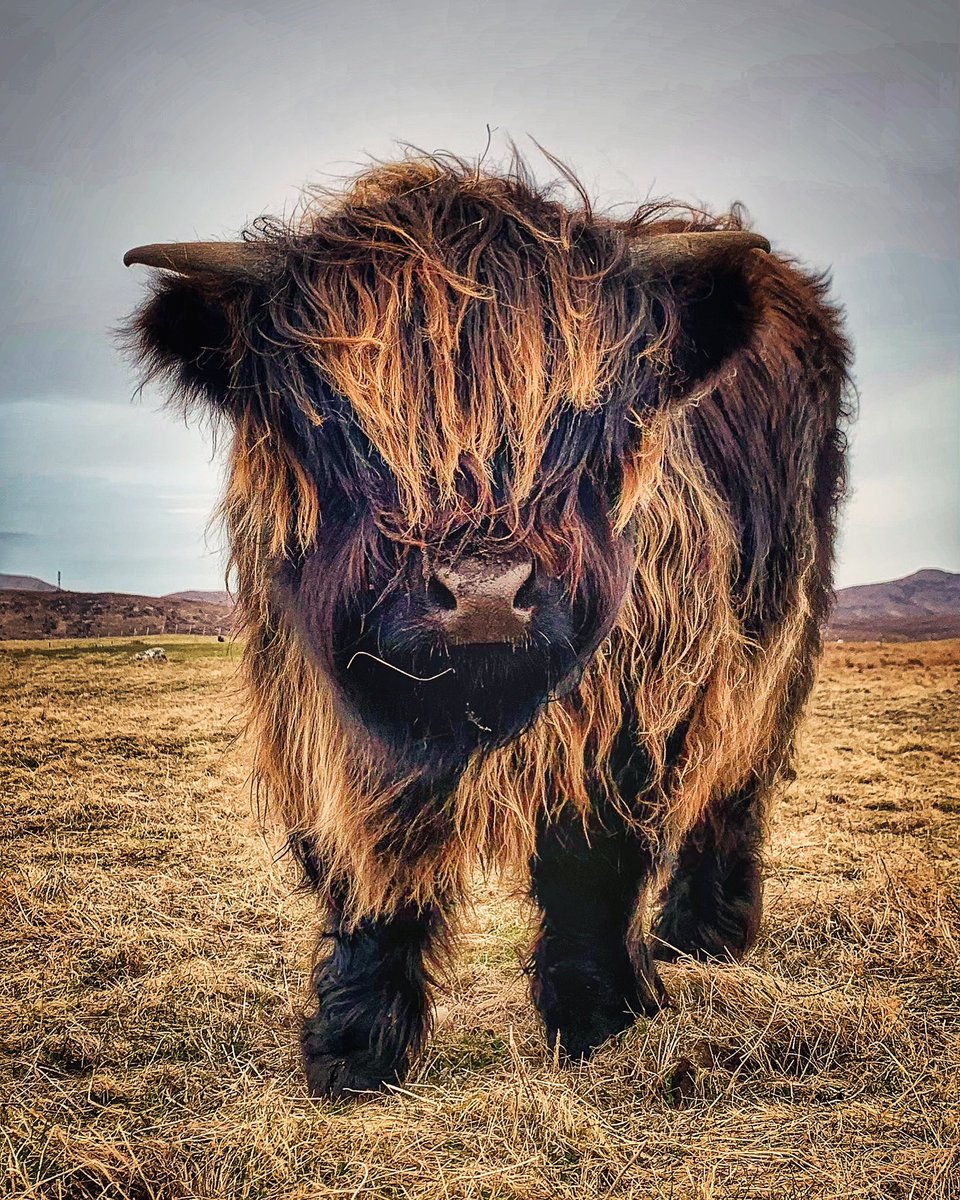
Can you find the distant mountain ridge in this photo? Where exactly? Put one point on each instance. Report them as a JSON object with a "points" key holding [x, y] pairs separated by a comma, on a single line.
{"points": [[30, 583], [920, 607], [26, 583]]}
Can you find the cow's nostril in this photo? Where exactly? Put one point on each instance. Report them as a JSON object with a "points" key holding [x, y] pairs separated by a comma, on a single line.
{"points": [[526, 598], [440, 595]]}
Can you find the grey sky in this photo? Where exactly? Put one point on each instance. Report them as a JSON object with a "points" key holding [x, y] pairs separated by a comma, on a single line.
{"points": [[836, 124]]}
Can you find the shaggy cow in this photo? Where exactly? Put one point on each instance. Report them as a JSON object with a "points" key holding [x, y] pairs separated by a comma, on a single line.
{"points": [[531, 514]]}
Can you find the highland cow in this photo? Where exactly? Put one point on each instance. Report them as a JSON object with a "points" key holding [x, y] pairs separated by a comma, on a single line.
{"points": [[531, 513]]}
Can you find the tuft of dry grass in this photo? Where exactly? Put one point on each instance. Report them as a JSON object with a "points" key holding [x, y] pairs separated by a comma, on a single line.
{"points": [[154, 956]]}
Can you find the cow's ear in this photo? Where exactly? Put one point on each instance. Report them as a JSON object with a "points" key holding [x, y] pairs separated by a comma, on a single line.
{"points": [[704, 287], [185, 333], [182, 335]]}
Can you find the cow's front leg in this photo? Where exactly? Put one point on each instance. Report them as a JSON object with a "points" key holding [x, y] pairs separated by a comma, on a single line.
{"points": [[372, 1003], [712, 904], [588, 981]]}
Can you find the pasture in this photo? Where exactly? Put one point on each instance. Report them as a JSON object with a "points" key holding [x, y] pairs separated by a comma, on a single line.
{"points": [[154, 954]]}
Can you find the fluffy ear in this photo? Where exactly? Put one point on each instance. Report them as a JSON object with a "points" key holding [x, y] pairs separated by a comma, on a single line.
{"points": [[184, 333], [183, 336], [704, 285]]}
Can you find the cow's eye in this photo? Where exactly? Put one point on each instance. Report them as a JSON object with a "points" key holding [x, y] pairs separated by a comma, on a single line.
{"points": [[594, 499]]}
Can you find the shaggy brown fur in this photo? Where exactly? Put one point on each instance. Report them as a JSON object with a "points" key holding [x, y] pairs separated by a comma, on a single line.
{"points": [[462, 319]]}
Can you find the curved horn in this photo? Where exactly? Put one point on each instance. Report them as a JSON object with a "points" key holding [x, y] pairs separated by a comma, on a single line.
{"points": [[231, 259], [665, 250]]}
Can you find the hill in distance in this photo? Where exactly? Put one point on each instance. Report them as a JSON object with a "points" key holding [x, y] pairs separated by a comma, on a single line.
{"points": [[919, 607], [53, 614], [30, 583], [26, 583]]}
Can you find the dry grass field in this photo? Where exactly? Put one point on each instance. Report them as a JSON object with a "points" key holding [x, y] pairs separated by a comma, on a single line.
{"points": [[154, 956]]}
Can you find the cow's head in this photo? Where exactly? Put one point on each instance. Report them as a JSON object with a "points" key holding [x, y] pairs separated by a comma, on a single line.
{"points": [[439, 386]]}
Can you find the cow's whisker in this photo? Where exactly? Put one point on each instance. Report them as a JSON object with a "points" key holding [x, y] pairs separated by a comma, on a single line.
{"points": [[399, 670]]}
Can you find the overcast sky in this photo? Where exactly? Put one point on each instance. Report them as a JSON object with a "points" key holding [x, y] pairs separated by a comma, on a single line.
{"points": [[835, 123]]}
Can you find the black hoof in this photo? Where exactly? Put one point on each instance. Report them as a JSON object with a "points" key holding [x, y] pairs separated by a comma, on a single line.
{"points": [[331, 1078], [578, 1039], [673, 939], [341, 1074], [581, 1009]]}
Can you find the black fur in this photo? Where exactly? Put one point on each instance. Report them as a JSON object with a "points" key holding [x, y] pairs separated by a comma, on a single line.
{"points": [[712, 903], [719, 312], [591, 971], [372, 1004], [184, 332], [588, 983]]}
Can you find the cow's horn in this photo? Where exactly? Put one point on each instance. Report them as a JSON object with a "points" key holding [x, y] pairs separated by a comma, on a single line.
{"points": [[230, 259], [665, 250]]}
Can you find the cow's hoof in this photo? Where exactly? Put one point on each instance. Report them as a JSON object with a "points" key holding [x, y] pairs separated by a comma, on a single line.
{"points": [[340, 1065], [583, 1007], [575, 1029], [330, 1077], [576, 1040], [673, 939]]}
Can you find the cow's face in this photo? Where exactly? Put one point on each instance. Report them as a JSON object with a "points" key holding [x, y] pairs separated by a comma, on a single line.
{"points": [[458, 635], [439, 390]]}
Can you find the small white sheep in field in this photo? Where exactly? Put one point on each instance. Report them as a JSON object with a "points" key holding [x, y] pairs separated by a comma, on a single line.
{"points": [[154, 654]]}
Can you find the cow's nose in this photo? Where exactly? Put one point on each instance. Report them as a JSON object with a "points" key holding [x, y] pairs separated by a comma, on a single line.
{"points": [[482, 599]]}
